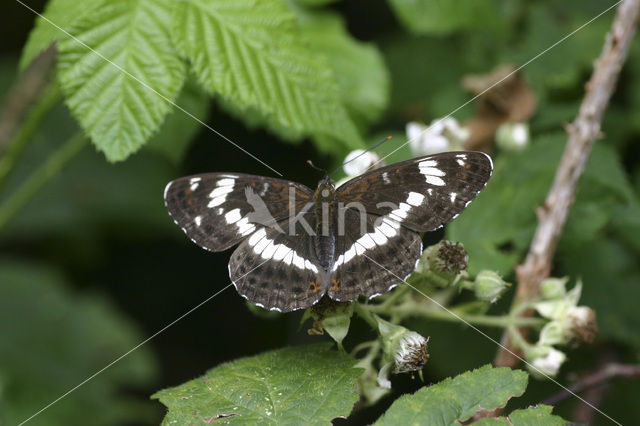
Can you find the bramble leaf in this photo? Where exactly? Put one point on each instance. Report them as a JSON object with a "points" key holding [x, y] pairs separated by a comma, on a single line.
{"points": [[538, 415], [458, 398], [359, 68], [251, 54], [63, 13], [444, 17], [118, 111], [299, 385]]}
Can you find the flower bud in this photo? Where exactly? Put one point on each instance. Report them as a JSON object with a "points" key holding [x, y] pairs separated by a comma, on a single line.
{"points": [[582, 320], [553, 288], [441, 135], [360, 161], [553, 333], [545, 360], [446, 260], [513, 136], [406, 349], [489, 286]]}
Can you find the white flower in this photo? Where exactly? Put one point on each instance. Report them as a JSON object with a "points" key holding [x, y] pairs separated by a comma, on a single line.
{"points": [[513, 136], [546, 361], [357, 166], [441, 135]]}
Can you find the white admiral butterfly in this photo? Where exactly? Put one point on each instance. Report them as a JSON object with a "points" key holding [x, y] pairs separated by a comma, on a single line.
{"points": [[298, 245]]}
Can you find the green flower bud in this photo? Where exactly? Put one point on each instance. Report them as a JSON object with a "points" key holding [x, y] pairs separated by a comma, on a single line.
{"points": [[554, 333], [553, 288], [513, 136], [489, 286]]}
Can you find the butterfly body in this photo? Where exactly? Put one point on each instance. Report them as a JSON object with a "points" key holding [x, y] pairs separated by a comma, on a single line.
{"points": [[297, 245]]}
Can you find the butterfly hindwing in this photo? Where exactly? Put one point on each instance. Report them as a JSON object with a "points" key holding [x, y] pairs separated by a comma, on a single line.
{"points": [[277, 270], [424, 193], [373, 259], [218, 210]]}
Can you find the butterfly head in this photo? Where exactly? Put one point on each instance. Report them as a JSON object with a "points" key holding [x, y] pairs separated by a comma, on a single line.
{"points": [[326, 189]]}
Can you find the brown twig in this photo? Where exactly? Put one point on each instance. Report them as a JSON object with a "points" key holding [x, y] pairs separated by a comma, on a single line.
{"points": [[603, 375], [582, 134], [21, 96]]}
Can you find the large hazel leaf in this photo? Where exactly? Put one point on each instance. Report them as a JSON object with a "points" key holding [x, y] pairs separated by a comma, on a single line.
{"points": [[299, 385], [251, 54], [457, 399], [122, 102], [532, 416]]}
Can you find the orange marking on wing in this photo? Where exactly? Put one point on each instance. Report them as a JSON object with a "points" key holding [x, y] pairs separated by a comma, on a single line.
{"points": [[336, 283], [314, 286], [467, 166]]}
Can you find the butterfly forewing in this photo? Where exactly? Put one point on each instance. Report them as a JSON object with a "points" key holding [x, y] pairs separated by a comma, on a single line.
{"points": [[424, 193], [218, 210]]}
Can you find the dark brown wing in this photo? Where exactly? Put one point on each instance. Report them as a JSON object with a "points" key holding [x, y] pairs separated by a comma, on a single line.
{"points": [[424, 193], [218, 210]]}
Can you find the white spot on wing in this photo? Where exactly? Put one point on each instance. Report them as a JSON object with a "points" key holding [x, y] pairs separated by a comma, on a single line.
{"points": [[415, 198], [385, 178], [453, 196], [253, 240], [434, 180], [225, 182], [233, 216], [197, 220], [221, 190]]}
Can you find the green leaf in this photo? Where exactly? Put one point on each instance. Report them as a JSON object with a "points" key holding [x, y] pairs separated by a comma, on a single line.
{"points": [[251, 54], [359, 68], [173, 138], [532, 416], [53, 339], [457, 399], [446, 16], [299, 385], [118, 111], [61, 13]]}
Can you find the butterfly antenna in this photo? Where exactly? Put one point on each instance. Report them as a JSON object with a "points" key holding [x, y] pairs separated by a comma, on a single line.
{"points": [[309, 162], [361, 154]]}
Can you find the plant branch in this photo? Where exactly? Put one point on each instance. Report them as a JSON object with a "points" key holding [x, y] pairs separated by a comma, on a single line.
{"points": [[29, 127], [608, 372], [29, 87], [582, 134], [54, 164], [408, 309]]}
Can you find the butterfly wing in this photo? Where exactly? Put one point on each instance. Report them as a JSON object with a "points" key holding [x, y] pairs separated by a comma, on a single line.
{"points": [[424, 193], [218, 210], [277, 269], [372, 258]]}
